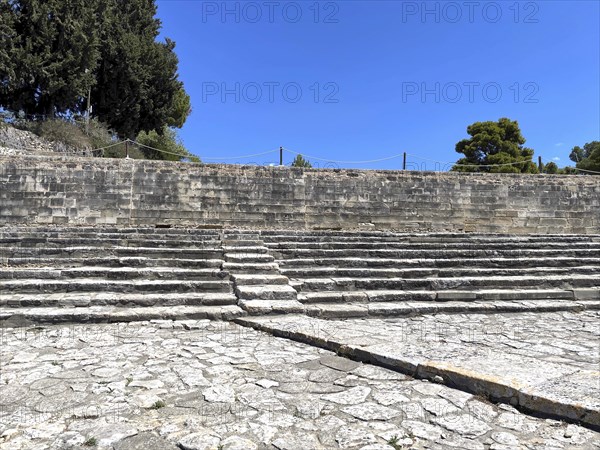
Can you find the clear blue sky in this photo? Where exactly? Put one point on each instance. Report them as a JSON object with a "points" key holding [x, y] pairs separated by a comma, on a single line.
{"points": [[378, 78]]}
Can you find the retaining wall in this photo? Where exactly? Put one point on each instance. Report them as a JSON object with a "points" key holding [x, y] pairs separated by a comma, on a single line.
{"points": [[41, 190]]}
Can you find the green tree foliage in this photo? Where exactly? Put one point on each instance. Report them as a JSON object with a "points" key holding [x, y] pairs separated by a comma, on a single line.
{"points": [[181, 108], [8, 37], [569, 171], [52, 52], [493, 143], [137, 75], [167, 141], [299, 161], [551, 168], [588, 157]]}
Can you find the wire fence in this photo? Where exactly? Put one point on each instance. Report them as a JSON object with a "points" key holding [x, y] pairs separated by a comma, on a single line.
{"points": [[427, 164], [407, 161]]}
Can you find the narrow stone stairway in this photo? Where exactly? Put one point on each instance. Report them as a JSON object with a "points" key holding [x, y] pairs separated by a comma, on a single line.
{"points": [[258, 283]]}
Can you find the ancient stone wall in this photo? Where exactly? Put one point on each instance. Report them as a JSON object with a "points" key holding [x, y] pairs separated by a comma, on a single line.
{"points": [[38, 190]]}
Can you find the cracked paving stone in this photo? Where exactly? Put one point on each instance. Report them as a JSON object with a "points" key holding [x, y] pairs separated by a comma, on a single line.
{"points": [[199, 441], [389, 397], [464, 424], [352, 396], [219, 393], [237, 443], [325, 375], [371, 411], [285, 395], [338, 363], [348, 437], [423, 430], [439, 407], [298, 442], [145, 441]]}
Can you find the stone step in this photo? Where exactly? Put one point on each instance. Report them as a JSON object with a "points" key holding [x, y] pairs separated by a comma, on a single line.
{"points": [[375, 245], [125, 261], [436, 284], [98, 234], [266, 292], [349, 310], [100, 285], [241, 236], [248, 257], [102, 230], [422, 263], [241, 250], [338, 272], [12, 317], [382, 296], [96, 252], [74, 299], [243, 242], [264, 307], [259, 279], [436, 253], [37, 242], [278, 235], [250, 268], [341, 236], [118, 273]]}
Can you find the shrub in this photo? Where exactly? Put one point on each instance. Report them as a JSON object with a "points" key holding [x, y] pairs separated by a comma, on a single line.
{"points": [[171, 145], [59, 131]]}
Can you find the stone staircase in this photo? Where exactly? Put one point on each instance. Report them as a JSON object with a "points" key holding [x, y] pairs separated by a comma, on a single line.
{"points": [[79, 274], [74, 274], [259, 285]]}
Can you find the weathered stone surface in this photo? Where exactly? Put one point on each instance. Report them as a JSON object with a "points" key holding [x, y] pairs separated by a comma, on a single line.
{"points": [[199, 441], [262, 390], [352, 396], [219, 394], [55, 190], [544, 362], [145, 441], [210, 385], [371, 411]]}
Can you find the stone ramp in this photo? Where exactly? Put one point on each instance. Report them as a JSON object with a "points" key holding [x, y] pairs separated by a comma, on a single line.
{"points": [[543, 363]]}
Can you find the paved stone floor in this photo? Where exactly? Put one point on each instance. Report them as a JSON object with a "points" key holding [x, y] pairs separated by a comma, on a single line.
{"points": [[546, 362], [214, 385]]}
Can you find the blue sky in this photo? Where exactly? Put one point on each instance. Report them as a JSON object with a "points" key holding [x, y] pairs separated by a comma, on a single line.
{"points": [[365, 80]]}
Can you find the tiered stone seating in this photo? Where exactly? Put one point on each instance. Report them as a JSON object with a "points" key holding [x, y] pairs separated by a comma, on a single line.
{"points": [[108, 274], [104, 274], [343, 274]]}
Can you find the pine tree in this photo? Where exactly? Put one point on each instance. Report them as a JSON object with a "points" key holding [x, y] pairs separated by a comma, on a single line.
{"points": [[54, 51], [588, 157], [299, 161], [8, 37], [137, 77], [495, 147]]}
